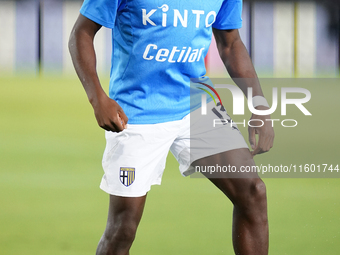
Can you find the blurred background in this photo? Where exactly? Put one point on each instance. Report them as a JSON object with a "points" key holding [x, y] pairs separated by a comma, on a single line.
{"points": [[51, 147], [290, 39]]}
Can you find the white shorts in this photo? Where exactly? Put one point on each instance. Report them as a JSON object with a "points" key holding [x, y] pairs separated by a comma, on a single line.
{"points": [[134, 159]]}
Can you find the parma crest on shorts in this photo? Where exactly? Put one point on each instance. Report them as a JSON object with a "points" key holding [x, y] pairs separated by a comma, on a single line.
{"points": [[127, 175]]}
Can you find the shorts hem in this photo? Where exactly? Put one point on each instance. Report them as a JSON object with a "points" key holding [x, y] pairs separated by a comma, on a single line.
{"points": [[125, 194]]}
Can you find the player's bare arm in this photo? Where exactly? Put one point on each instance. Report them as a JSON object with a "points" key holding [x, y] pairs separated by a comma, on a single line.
{"points": [[238, 63], [110, 116]]}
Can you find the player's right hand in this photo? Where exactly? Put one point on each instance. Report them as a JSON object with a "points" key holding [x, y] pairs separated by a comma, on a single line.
{"points": [[110, 116]]}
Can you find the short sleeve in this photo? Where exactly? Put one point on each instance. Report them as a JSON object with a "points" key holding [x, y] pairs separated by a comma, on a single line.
{"points": [[102, 12], [229, 16]]}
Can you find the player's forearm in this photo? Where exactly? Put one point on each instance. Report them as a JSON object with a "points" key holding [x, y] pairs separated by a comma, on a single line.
{"points": [[84, 61]]}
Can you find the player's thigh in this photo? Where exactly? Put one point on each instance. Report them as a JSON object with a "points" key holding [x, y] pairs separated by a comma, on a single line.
{"points": [[233, 178]]}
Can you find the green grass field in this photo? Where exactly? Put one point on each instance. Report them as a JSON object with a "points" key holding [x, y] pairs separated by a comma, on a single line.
{"points": [[50, 169]]}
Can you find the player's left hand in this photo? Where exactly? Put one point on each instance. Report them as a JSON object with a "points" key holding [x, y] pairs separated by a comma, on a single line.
{"points": [[265, 133]]}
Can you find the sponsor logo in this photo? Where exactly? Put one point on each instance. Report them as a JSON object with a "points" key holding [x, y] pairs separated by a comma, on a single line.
{"points": [[186, 54], [165, 17], [200, 16]]}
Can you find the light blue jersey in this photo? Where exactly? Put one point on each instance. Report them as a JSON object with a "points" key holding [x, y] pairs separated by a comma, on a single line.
{"points": [[158, 46]]}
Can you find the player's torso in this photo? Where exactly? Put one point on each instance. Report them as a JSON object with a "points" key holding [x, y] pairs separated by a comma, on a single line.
{"points": [[158, 47]]}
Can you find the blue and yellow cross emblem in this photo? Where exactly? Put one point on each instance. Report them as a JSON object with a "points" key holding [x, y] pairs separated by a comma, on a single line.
{"points": [[127, 175]]}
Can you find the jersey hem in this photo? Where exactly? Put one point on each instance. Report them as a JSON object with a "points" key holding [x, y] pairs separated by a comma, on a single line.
{"points": [[141, 120], [156, 120]]}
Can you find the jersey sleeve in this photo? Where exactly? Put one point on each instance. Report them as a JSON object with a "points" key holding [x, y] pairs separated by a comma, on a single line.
{"points": [[102, 12], [229, 16]]}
